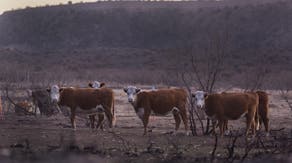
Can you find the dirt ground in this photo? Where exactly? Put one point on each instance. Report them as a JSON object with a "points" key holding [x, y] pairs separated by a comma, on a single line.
{"points": [[50, 139]]}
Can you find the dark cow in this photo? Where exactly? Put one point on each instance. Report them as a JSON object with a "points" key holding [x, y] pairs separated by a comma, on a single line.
{"points": [[159, 102], [84, 101], [229, 106], [41, 101]]}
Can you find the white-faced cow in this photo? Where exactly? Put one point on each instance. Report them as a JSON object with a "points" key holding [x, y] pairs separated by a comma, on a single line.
{"points": [[96, 84], [100, 115], [229, 106], [159, 102], [84, 101]]}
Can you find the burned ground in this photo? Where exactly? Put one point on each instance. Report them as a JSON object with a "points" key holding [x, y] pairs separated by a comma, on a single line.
{"points": [[47, 139]]}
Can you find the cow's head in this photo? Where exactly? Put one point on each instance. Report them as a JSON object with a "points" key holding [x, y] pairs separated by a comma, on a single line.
{"points": [[200, 97], [131, 92], [96, 84], [55, 93]]}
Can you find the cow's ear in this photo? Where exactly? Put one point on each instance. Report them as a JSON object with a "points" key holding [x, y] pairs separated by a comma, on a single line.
{"points": [[126, 90], [205, 95], [48, 90], [61, 89], [193, 95], [102, 85], [138, 90], [90, 85]]}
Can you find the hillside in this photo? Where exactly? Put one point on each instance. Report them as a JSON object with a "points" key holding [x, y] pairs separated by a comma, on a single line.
{"points": [[141, 41]]}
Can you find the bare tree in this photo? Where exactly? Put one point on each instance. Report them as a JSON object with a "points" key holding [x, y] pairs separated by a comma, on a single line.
{"points": [[254, 78], [205, 66]]}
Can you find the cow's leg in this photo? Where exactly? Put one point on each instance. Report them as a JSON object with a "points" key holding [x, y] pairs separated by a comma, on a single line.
{"points": [[221, 127], [145, 120], [177, 121], [214, 126], [145, 123], [109, 116], [92, 120], [250, 122], [100, 121], [72, 117], [266, 123], [226, 131], [184, 117], [207, 126]]}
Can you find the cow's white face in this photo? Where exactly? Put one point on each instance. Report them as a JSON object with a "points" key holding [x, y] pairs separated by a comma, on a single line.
{"points": [[96, 84], [54, 93], [199, 97], [131, 92]]}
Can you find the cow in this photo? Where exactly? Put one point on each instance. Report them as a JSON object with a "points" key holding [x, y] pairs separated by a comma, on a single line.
{"points": [[263, 110], [159, 102], [100, 115], [229, 106], [41, 101], [96, 84], [23, 108], [84, 101]]}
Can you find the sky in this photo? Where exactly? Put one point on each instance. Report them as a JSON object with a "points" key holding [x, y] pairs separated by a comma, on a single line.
{"points": [[6, 5]]}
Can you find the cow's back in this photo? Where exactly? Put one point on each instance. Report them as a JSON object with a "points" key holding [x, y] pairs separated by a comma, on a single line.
{"points": [[162, 101], [230, 105], [86, 98]]}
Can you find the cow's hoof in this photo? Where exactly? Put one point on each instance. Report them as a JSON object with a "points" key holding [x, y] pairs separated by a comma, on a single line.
{"points": [[227, 133], [173, 133]]}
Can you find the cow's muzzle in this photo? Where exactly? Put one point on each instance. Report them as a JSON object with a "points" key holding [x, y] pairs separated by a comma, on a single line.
{"points": [[130, 100]]}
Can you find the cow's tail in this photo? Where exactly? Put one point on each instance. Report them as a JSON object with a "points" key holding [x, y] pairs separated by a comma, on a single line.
{"points": [[113, 112], [257, 117], [1, 111]]}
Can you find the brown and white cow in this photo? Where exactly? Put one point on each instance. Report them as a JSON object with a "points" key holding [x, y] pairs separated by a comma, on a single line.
{"points": [[100, 115], [229, 106], [84, 101], [159, 102], [263, 111], [96, 84]]}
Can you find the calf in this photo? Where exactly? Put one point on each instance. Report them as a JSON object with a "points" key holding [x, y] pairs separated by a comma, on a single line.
{"points": [[84, 101], [100, 115], [229, 106], [159, 102]]}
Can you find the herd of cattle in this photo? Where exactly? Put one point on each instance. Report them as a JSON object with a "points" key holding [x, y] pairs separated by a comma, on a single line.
{"points": [[98, 100]]}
